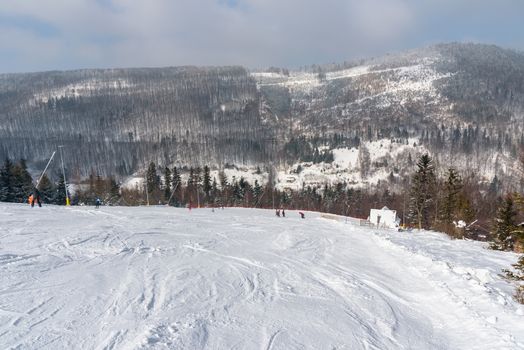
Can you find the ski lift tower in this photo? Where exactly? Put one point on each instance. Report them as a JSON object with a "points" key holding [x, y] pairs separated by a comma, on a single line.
{"points": [[45, 169]]}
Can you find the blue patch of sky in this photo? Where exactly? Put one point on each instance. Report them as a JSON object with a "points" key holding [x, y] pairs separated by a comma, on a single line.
{"points": [[109, 5], [229, 3], [31, 24]]}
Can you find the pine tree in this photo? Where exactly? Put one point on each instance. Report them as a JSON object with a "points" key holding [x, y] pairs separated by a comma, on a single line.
{"points": [[114, 191], [214, 192], [59, 196], [197, 184], [504, 226], [237, 192], [246, 191], [190, 188], [6, 181], [206, 182], [422, 192], [191, 177], [452, 189], [47, 190], [167, 183], [176, 179], [152, 179], [176, 184], [451, 204], [257, 192], [22, 183], [153, 184], [225, 188], [198, 176]]}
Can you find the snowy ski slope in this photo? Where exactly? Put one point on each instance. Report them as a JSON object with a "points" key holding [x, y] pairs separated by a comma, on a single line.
{"points": [[164, 278]]}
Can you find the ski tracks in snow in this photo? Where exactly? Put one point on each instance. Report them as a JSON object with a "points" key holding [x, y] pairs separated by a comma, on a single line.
{"points": [[163, 278]]}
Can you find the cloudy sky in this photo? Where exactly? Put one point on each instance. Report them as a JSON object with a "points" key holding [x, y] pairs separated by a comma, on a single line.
{"points": [[67, 34]]}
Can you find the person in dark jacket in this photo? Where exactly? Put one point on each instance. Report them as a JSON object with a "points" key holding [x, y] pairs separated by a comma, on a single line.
{"points": [[97, 203], [36, 198]]}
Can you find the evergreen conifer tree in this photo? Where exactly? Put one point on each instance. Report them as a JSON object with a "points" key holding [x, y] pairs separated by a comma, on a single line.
{"points": [[114, 191], [22, 182], [153, 184], [167, 183], [224, 187], [47, 190], [197, 182], [214, 192], [452, 189], [206, 182], [176, 184], [504, 226], [59, 193], [257, 192], [175, 178], [422, 192], [6, 181], [451, 200], [152, 179], [237, 192], [190, 188]]}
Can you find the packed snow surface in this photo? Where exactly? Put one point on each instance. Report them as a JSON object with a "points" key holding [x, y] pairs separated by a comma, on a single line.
{"points": [[165, 278]]}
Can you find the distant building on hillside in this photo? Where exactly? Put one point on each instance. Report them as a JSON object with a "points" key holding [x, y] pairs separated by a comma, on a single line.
{"points": [[384, 218]]}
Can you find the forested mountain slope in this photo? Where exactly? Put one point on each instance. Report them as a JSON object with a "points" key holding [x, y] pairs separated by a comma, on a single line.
{"points": [[118, 120], [464, 103]]}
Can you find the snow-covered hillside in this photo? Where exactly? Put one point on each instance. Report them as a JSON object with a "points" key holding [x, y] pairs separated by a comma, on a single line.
{"points": [[350, 166], [164, 278]]}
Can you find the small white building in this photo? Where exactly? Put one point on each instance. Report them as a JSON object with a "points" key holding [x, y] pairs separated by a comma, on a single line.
{"points": [[384, 218]]}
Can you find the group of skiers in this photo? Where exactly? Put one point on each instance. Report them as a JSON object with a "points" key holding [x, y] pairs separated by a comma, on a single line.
{"points": [[277, 213], [283, 213], [34, 198]]}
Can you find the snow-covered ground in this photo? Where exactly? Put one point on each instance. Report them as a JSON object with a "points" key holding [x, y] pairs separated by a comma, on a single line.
{"points": [[346, 168], [164, 278]]}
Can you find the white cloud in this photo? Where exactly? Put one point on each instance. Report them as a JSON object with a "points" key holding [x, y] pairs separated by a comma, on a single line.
{"points": [[113, 33]]}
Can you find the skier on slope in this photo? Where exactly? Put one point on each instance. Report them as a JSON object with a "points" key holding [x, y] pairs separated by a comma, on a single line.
{"points": [[36, 198], [97, 203]]}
